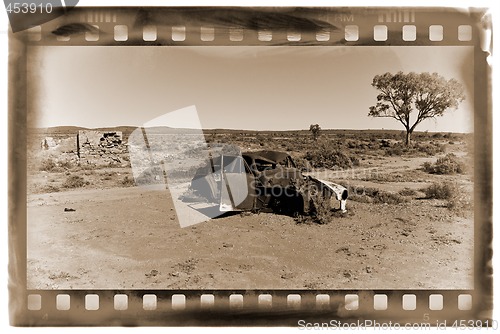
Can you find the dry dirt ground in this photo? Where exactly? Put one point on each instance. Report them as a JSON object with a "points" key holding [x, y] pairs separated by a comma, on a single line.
{"points": [[129, 238]]}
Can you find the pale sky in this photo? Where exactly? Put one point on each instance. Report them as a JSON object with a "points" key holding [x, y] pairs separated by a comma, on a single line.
{"points": [[254, 87]]}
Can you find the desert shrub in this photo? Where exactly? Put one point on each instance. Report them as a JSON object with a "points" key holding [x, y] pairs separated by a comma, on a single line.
{"points": [[416, 149], [74, 181], [362, 198], [50, 189], [128, 181], [384, 143], [321, 212], [407, 192], [449, 164], [385, 197], [429, 149], [455, 199], [373, 195], [446, 190], [395, 150], [328, 157], [355, 144], [302, 164], [47, 165]]}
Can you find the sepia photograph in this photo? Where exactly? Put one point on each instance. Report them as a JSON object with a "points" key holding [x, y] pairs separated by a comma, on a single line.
{"points": [[250, 167]]}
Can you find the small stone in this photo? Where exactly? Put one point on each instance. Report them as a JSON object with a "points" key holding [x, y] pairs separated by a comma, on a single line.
{"points": [[152, 273]]}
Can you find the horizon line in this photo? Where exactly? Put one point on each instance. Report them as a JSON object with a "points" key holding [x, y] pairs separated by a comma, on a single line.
{"points": [[239, 129]]}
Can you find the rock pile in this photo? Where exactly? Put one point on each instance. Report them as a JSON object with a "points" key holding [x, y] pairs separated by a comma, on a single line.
{"points": [[97, 147]]}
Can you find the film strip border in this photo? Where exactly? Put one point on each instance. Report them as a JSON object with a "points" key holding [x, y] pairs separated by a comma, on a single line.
{"points": [[177, 34], [170, 307], [350, 27], [244, 26]]}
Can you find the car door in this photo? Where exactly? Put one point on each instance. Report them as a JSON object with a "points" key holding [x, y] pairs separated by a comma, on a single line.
{"points": [[237, 190]]}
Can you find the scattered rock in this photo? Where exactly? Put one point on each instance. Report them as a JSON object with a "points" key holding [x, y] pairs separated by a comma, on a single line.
{"points": [[344, 249], [347, 274], [153, 273]]}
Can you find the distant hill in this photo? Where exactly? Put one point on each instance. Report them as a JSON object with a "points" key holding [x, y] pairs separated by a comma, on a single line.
{"points": [[127, 130], [58, 130]]}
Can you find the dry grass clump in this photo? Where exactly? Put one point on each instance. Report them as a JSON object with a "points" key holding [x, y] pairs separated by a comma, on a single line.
{"points": [[325, 156], [455, 199], [74, 181], [374, 195], [449, 164]]}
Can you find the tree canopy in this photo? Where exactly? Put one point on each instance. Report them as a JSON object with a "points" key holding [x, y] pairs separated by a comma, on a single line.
{"points": [[315, 129], [429, 95]]}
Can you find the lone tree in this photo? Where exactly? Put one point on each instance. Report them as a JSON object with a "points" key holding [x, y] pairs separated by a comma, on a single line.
{"points": [[429, 95], [315, 128]]}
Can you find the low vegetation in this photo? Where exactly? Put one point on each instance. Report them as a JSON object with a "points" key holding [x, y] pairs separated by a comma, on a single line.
{"points": [[324, 156], [445, 190], [449, 164], [321, 212], [74, 181], [450, 192], [374, 195], [337, 150], [50, 188], [47, 165], [407, 192], [418, 149], [50, 165]]}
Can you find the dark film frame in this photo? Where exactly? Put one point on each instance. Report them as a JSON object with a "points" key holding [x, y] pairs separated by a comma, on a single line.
{"points": [[307, 22]]}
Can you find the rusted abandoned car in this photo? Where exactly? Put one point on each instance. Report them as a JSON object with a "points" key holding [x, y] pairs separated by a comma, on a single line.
{"points": [[267, 181]]}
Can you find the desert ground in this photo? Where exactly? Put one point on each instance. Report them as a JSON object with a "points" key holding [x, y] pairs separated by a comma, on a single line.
{"points": [[409, 221]]}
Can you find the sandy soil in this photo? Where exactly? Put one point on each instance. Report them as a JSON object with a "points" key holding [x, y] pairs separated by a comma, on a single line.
{"points": [[129, 238]]}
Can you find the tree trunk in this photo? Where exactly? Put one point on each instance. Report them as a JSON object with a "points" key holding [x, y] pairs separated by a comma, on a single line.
{"points": [[408, 138]]}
